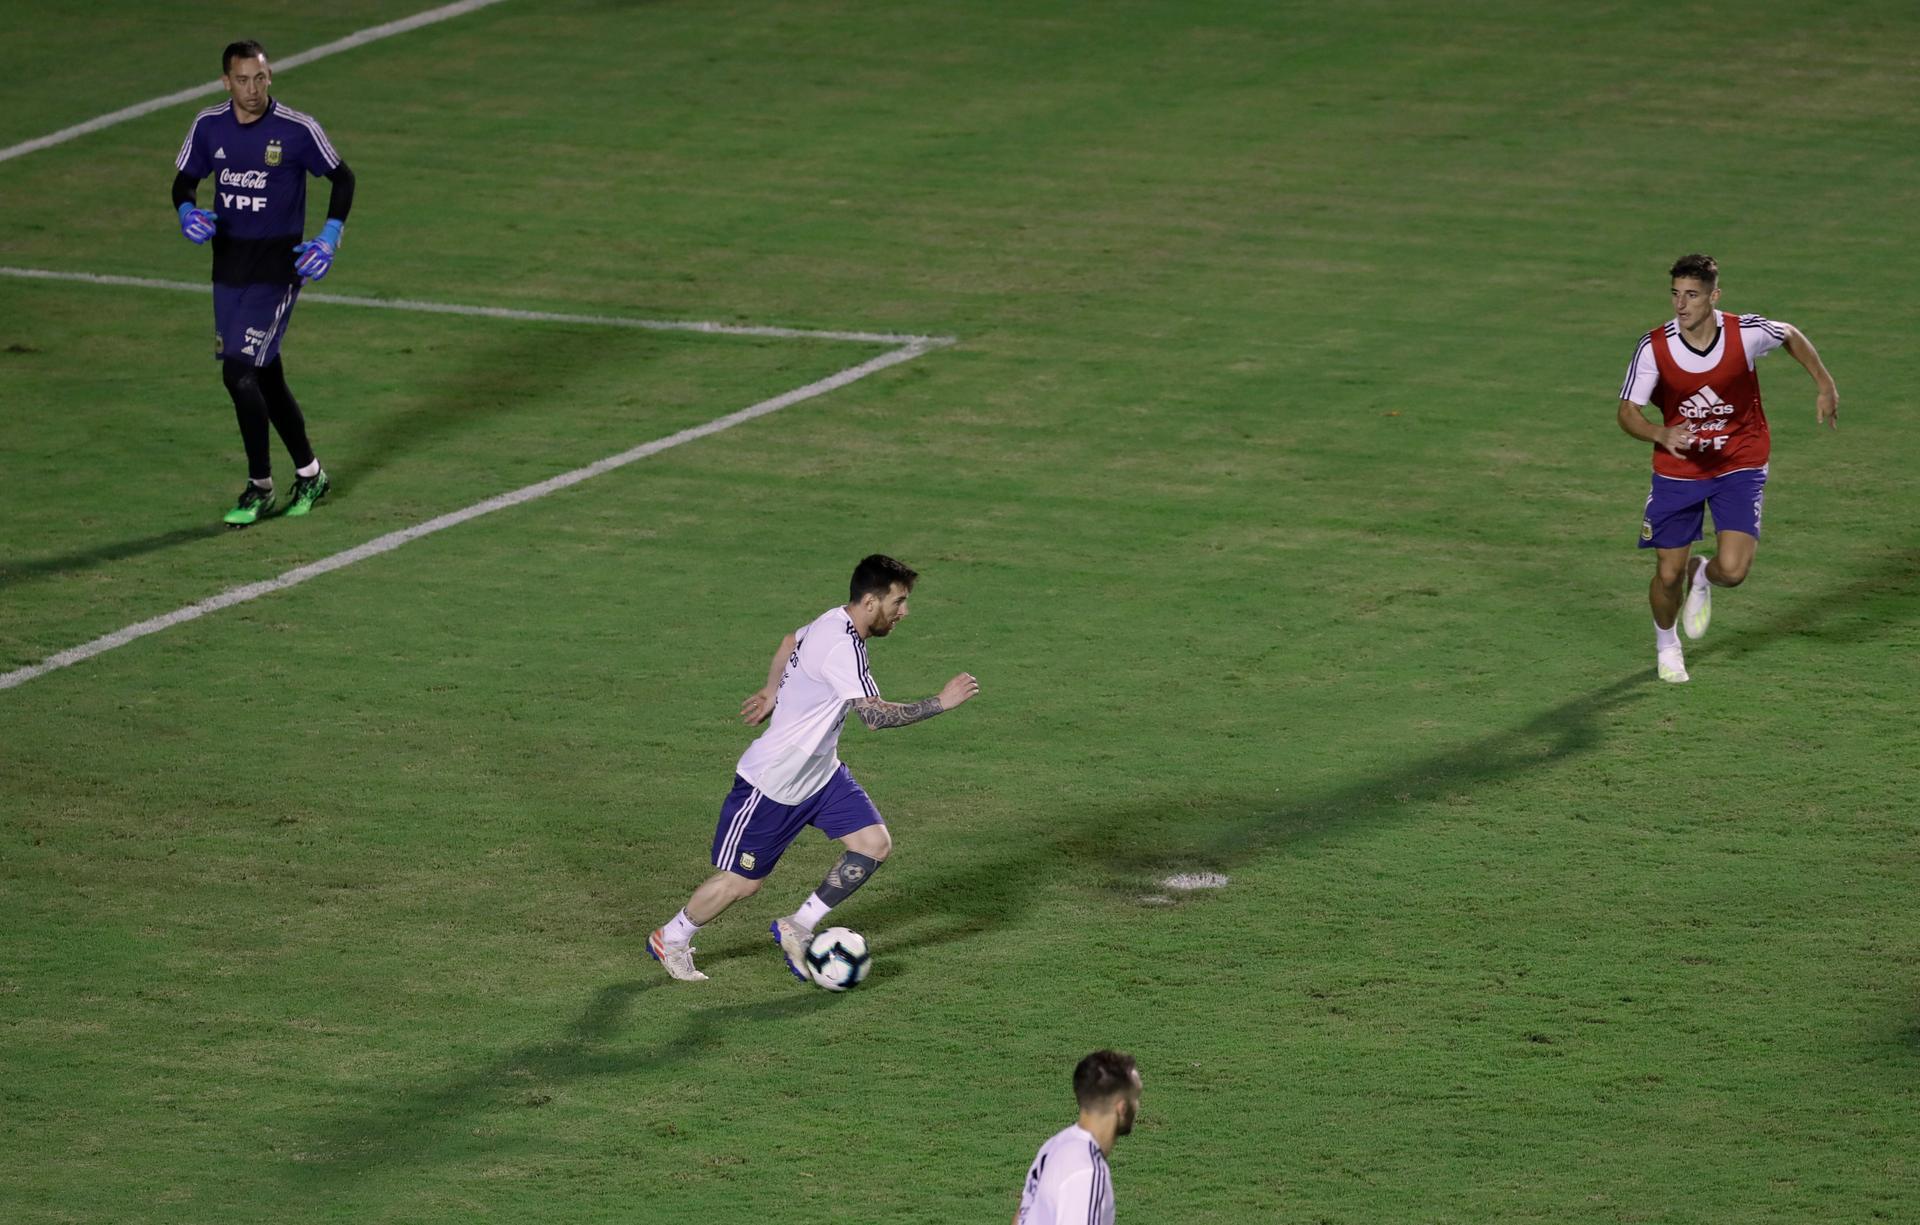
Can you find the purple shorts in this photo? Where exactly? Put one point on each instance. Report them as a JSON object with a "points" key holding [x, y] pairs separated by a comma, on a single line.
{"points": [[1676, 508], [754, 831], [249, 320]]}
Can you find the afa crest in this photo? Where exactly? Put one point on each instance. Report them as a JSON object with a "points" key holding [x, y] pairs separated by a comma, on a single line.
{"points": [[273, 153], [746, 861]]}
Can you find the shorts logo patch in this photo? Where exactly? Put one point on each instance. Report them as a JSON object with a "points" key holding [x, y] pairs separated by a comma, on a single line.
{"points": [[746, 861], [273, 153], [219, 344], [1646, 529]]}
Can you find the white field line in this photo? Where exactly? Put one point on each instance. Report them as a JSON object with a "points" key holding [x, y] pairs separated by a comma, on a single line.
{"points": [[498, 312], [357, 39], [393, 540]]}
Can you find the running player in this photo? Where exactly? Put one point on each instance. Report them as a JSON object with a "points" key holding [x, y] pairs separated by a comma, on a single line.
{"points": [[791, 777], [1710, 451], [1068, 1182], [260, 153]]}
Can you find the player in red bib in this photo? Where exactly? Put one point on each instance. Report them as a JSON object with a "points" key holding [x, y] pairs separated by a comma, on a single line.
{"points": [[1710, 448]]}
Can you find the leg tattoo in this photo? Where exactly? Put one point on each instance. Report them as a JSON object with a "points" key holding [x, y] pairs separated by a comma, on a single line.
{"points": [[849, 874]]}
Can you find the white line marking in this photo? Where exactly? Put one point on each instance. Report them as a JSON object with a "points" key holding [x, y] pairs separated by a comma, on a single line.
{"points": [[393, 540], [357, 39], [498, 312]]}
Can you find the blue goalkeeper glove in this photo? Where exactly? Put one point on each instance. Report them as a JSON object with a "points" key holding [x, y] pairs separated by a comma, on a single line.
{"points": [[316, 254], [196, 223]]}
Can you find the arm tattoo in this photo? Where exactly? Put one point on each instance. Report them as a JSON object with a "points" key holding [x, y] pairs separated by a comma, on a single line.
{"points": [[877, 713]]}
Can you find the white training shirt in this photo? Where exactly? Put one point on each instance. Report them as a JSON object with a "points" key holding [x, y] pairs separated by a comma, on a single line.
{"points": [[826, 674], [1758, 334], [1068, 1183]]}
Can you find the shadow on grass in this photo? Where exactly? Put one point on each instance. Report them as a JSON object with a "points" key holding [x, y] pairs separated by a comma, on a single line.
{"points": [[1128, 848], [527, 375], [434, 1121], [521, 376], [1124, 848], [1876, 601], [111, 551]]}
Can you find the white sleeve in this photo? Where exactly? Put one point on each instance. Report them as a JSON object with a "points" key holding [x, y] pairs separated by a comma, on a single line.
{"points": [[1074, 1200], [1642, 373], [845, 671], [1761, 336]]}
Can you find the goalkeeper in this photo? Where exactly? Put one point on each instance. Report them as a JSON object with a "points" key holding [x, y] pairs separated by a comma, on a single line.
{"points": [[259, 154]]}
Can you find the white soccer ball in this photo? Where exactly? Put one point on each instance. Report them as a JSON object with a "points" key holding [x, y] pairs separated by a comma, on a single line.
{"points": [[838, 959]]}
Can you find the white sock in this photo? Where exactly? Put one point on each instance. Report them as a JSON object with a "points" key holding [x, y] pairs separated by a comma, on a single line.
{"points": [[266, 484], [680, 930], [1664, 638], [1700, 576], [312, 469], [810, 913]]}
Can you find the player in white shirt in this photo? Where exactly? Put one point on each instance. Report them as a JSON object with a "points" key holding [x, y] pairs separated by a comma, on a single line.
{"points": [[1068, 1182], [791, 777]]}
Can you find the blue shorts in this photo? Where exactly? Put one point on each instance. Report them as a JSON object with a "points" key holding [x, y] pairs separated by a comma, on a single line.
{"points": [[754, 831], [249, 320], [1676, 508]]}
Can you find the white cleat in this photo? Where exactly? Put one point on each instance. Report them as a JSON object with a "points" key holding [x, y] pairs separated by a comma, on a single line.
{"points": [[1673, 667], [1697, 613], [793, 940], [678, 958]]}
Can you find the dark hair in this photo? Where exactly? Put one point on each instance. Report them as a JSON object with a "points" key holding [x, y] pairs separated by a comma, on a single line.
{"points": [[245, 49], [875, 575], [1100, 1076], [1697, 267]]}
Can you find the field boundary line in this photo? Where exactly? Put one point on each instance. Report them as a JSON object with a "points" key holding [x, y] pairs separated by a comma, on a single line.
{"points": [[497, 312], [359, 38], [393, 540]]}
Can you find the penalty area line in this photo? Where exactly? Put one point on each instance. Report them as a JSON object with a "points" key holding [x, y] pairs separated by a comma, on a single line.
{"points": [[496, 312], [393, 540], [359, 38]]}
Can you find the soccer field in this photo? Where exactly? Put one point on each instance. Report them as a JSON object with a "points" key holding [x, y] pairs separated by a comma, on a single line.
{"points": [[1271, 487]]}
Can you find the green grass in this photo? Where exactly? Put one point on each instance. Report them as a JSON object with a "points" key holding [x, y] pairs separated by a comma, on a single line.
{"points": [[1273, 493]]}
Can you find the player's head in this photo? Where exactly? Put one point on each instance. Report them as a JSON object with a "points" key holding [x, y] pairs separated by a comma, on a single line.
{"points": [[878, 593], [1108, 1082], [1696, 288], [244, 71]]}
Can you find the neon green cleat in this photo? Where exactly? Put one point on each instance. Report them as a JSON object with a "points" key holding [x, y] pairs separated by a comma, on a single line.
{"points": [[254, 503], [306, 491]]}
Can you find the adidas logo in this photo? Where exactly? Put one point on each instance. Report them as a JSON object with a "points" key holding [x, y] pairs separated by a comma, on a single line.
{"points": [[1705, 403], [220, 154]]}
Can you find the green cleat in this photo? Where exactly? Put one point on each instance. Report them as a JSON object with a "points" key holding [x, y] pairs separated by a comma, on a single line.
{"points": [[254, 503], [306, 491]]}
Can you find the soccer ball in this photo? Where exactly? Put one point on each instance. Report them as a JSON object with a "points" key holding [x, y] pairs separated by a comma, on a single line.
{"points": [[838, 959]]}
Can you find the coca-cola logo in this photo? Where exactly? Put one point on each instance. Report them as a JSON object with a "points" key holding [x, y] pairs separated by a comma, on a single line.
{"points": [[255, 179]]}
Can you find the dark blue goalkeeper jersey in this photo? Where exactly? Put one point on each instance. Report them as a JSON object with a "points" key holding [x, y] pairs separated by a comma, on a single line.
{"points": [[259, 173]]}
